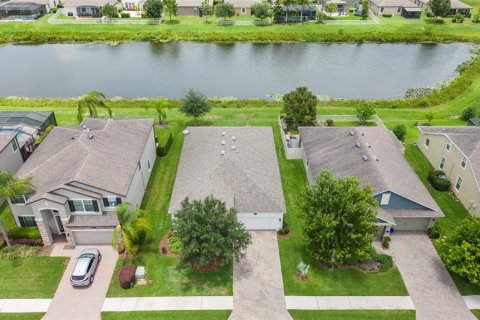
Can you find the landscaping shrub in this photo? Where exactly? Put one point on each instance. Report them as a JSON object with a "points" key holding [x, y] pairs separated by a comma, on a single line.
{"points": [[127, 276], [386, 262], [469, 113], [434, 232], [436, 182], [19, 251], [430, 15], [458, 18], [164, 145], [24, 233], [387, 15], [284, 230], [476, 18], [43, 135], [386, 242], [53, 10], [330, 123], [175, 245], [400, 130], [60, 5], [439, 20], [28, 242], [125, 15]]}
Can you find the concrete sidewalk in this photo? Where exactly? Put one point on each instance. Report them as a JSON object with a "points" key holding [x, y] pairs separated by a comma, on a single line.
{"points": [[169, 303], [24, 305], [349, 303], [472, 302]]}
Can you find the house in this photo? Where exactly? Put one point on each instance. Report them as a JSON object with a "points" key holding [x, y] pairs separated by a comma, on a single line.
{"points": [[455, 7], [373, 155], [404, 8], [342, 5], [22, 11], [81, 174], [85, 8], [456, 151], [237, 165], [243, 7], [190, 7]]}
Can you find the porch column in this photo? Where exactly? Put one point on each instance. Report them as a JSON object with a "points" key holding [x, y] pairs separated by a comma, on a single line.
{"points": [[44, 232]]}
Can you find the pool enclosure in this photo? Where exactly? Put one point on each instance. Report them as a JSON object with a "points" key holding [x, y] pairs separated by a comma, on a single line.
{"points": [[22, 11]]}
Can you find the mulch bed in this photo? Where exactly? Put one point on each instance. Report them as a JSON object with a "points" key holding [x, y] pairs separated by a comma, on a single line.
{"points": [[164, 249], [369, 266], [284, 236], [213, 266]]}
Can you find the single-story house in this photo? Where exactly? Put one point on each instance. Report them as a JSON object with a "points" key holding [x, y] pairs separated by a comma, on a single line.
{"points": [[237, 165], [342, 5], [81, 174], [456, 6], [190, 7], [23, 10], [373, 155], [85, 8], [294, 12], [456, 151], [404, 8], [243, 7]]}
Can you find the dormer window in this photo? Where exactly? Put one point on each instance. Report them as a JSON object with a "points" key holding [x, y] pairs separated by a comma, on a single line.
{"points": [[111, 202], [21, 199]]}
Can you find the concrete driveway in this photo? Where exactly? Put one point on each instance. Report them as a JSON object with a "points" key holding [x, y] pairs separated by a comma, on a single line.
{"points": [[82, 303], [431, 288], [257, 281]]}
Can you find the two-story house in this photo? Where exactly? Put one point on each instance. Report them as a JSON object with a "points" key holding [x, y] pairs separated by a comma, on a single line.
{"points": [[456, 151], [81, 174]]}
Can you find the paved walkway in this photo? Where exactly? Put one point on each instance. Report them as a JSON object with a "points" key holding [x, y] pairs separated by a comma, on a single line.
{"points": [[472, 302], [168, 303], [431, 288], [257, 281], [82, 303], [24, 305], [348, 303]]}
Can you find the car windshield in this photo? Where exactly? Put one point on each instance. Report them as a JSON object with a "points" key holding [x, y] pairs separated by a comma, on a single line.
{"points": [[87, 255], [77, 277]]}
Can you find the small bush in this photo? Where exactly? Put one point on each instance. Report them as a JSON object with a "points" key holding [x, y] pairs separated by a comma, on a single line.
{"points": [[24, 233], [284, 230], [430, 15], [458, 18], [127, 276], [437, 182], [43, 135], [60, 5], [125, 15], [469, 113], [175, 245], [330, 123], [386, 242], [53, 10], [386, 262], [164, 146], [476, 18], [434, 232], [400, 130], [19, 251], [387, 15], [439, 20]]}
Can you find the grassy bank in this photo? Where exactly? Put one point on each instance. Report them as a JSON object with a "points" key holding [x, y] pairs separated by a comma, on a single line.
{"points": [[395, 29], [353, 314]]}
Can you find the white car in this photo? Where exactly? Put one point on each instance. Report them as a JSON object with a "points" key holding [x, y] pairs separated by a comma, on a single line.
{"points": [[85, 267]]}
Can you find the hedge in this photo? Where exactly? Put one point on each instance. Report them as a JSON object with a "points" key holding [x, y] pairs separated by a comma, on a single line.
{"points": [[164, 144], [436, 182], [24, 233]]}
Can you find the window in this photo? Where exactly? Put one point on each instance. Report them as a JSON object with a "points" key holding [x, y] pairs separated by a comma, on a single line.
{"points": [[427, 142], [442, 163], [464, 162], [398, 9], [84, 10], [14, 145], [78, 205], [27, 221], [86, 205], [449, 145], [139, 166], [381, 9], [111, 202], [459, 183], [385, 199], [148, 164], [244, 10], [20, 199]]}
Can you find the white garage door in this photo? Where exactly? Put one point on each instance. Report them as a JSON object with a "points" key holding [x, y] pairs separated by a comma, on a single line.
{"points": [[259, 222], [411, 223], [96, 236]]}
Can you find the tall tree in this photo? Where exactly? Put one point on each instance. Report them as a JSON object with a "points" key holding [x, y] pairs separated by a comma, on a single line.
{"points": [[11, 187], [278, 12], [210, 233], [170, 8], [206, 9], [132, 228], [365, 112], [224, 10], [339, 219], [440, 8], [109, 11], [153, 9], [90, 103], [195, 104], [299, 108], [365, 9], [161, 106], [262, 10]]}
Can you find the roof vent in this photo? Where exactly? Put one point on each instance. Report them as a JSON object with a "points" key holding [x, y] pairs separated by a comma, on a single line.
{"points": [[223, 133], [75, 136], [222, 152], [376, 158], [233, 138], [368, 145], [91, 137], [365, 158], [352, 133], [223, 142], [234, 148], [358, 145]]}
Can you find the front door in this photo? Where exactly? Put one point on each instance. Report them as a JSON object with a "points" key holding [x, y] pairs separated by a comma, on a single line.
{"points": [[59, 224]]}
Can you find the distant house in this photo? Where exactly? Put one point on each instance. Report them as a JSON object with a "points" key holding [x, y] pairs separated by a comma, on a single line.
{"points": [[404, 8], [455, 151], [456, 6], [85, 8], [22, 10], [342, 5], [237, 165], [373, 156], [309, 13], [190, 7], [81, 174], [243, 7]]}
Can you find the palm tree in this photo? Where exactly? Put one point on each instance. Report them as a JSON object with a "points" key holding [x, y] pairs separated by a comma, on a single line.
{"points": [[90, 102], [132, 227], [161, 105], [11, 187]]}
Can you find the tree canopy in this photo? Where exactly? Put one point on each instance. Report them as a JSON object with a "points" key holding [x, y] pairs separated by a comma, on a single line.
{"points": [[224, 10], [365, 112], [440, 8], [299, 108], [339, 219], [206, 9], [261, 10], [170, 8], [109, 11], [194, 104], [331, 8], [365, 9], [153, 9], [461, 251], [210, 233]]}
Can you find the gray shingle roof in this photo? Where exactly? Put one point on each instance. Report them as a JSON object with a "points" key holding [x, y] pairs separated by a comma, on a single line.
{"points": [[5, 139], [107, 161], [335, 149], [247, 178], [395, 3], [466, 138], [108, 219]]}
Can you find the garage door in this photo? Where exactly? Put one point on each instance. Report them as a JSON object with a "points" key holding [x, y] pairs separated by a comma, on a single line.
{"points": [[260, 223], [93, 236], [411, 223]]}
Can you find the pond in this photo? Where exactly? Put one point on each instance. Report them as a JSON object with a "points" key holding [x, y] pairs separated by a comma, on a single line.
{"points": [[242, 70]]}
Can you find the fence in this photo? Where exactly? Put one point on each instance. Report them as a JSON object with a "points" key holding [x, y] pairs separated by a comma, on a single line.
{"points": [[53, 20], [374, 20], [243, 23]]}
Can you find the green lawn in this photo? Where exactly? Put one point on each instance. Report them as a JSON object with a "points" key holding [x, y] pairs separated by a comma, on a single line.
{"points": [[350, 315], [167, 315], [32, 277], [21, 316], [476, 313]]}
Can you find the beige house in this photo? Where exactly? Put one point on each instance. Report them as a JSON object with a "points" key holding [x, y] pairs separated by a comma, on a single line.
{"points": [[456, 6], [243, 7], [456, 151], [190, 7], [403, 8]]}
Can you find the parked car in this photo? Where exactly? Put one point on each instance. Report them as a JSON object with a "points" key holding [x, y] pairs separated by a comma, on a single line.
{"points": [[85, 267]]}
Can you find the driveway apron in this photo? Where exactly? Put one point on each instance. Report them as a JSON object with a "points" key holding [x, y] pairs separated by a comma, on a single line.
{"points": [[257, 281], [82, 303], [431, 288]]}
